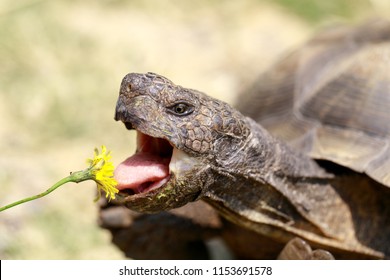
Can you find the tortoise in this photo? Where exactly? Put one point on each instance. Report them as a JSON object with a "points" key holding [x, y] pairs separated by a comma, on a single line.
{"points": [[303, 159]]}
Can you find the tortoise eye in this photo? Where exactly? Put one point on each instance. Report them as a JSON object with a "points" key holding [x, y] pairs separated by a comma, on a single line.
{"points": [[181, 109]]}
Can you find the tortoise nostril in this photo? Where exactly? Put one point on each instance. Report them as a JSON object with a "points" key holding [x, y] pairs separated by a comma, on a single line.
{"points": [[129, 125], [128, 88]]}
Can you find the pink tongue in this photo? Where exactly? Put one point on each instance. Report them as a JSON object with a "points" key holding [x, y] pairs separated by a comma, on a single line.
{"points": [[139, 169]]}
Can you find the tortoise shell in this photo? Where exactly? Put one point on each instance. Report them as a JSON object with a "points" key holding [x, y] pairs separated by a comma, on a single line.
{"points": [[331, 99]]}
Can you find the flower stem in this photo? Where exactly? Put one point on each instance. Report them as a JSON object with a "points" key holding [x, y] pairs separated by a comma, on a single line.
{"points": [[75, 177]]}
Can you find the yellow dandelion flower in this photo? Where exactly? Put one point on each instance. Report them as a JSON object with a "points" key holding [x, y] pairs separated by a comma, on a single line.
{"points": [[102, 171]]}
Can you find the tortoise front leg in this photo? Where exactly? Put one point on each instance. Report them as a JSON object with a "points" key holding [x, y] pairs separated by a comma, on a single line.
{"points": [[178, 234]]}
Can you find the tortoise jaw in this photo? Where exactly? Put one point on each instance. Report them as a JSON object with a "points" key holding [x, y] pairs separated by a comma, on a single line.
{"points": [[147, 169], [155, 177]]}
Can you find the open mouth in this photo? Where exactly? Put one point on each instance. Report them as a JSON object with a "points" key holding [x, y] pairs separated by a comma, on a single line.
{"points": [[148, 169]]}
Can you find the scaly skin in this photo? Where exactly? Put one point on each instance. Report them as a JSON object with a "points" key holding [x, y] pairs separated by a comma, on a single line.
{"points": [[252, 179]]}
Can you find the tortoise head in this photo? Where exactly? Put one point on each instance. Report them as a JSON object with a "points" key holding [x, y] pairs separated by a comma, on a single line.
{"points": [[180, 133]]}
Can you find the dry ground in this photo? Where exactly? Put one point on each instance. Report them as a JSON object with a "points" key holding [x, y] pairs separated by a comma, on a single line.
{"points": [[61, 63]]}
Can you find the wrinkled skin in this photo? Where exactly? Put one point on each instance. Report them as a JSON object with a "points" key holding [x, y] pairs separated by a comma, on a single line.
{"points": [[256, 183]]}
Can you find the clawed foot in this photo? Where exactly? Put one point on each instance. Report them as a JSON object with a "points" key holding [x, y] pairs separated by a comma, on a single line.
{"points": [[298, 249]]}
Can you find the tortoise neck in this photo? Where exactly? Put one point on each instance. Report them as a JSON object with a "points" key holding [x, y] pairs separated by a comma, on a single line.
{"points": [[275, 159], [266, 181]]}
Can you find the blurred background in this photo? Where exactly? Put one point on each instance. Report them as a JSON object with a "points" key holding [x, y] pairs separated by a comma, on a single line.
{"points": [[61, 64]]}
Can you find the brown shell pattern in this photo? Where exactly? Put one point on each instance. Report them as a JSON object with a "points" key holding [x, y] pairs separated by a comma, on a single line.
{"points": [[331, 98]]}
